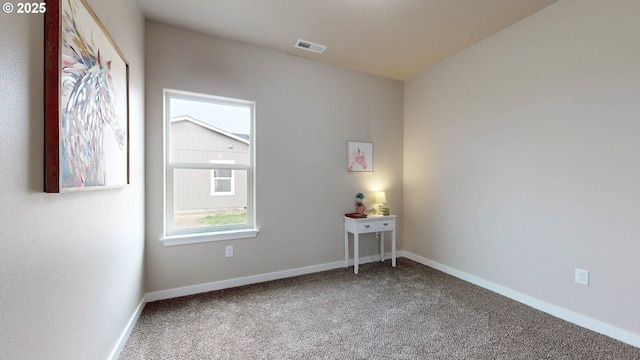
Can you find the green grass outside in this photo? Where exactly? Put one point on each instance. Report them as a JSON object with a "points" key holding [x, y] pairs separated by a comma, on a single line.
{"points": [[224, 219]]}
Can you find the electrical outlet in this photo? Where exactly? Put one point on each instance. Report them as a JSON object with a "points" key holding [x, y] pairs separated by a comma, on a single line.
{"points": [[228, 251], [582, 277]]}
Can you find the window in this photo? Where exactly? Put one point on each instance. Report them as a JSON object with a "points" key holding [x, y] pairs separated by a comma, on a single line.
{"points": [[209, 168], [222, 181]]}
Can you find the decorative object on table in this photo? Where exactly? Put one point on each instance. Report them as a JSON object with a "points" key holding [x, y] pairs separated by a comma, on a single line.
{"points": [[86, 102], [355, 215], [381, 200], [386, 211], [360, 203], [360, 156]]}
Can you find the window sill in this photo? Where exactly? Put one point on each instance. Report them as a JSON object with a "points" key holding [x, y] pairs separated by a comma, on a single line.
{"points": [[184, 239]]}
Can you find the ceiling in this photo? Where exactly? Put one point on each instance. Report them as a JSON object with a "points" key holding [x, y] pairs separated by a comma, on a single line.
{"points": [[391, 38]]}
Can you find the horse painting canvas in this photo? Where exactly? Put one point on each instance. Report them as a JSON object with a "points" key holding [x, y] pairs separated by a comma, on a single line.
{"points": [[360, 156], [90, 128]]}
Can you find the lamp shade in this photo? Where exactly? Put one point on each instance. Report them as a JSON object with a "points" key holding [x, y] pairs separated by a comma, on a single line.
{"points": [[381, 197]]}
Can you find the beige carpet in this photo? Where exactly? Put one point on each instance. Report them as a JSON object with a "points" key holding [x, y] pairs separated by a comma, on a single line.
{"points": [[407, 312]]}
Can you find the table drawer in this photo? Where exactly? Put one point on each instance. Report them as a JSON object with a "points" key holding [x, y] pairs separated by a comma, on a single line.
{"points": [[385, 225], [367, 226]]}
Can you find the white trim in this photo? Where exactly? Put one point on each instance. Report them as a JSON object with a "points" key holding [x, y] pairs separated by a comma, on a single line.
{"points": [[372, 258], [195, 238], [573, 317], [557, 311], [213, 233], [225, 284], [122, 341], [219, 285], [247, 280]]}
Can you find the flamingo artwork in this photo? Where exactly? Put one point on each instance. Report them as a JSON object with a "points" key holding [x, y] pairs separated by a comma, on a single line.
{"points": [[88, 108]]}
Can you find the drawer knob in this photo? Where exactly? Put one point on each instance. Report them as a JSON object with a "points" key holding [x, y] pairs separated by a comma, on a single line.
{"points": [[367, 226], [385, 224]]}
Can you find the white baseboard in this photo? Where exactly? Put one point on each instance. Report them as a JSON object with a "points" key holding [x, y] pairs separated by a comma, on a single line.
{"points": [[373, 258], [225, 284], [253, 279], [559, 312], [122, 341], [247, 280], [573, 317]]}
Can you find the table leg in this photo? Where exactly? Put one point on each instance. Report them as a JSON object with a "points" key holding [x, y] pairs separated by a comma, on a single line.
{"points": [[393, 248], [355, 253], [381, 245], [346, 249]]}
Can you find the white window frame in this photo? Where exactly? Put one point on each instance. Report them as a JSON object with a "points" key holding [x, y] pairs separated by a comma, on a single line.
{"points": [[232, 179], [173, 236]]}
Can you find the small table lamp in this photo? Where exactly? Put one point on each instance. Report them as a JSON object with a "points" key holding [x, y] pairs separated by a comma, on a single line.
{"points": [[381, 200]]}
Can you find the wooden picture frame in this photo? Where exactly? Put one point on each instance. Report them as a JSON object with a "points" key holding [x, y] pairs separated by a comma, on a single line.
{"points": [[359, 156], [86, 102]]}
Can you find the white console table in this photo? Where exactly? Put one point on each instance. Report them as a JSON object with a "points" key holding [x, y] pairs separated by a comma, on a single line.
{"points": [[370, 224]]}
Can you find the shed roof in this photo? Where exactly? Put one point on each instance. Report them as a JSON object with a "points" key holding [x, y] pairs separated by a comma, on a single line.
{"points": [[240, 137]]}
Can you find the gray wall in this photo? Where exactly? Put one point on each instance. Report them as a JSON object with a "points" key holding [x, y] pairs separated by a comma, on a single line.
{"points": [[71, 265], [306, 112], [521, 159]]}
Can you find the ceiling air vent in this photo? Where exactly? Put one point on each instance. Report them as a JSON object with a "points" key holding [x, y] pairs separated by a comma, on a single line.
{"points": [[309, 46]]}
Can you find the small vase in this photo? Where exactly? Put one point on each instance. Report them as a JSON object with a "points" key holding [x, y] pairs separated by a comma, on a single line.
{"points": [[360, 209]]}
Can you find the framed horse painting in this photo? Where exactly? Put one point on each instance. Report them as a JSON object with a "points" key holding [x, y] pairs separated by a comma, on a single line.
{"points": [[360, 156], [86, 101]]}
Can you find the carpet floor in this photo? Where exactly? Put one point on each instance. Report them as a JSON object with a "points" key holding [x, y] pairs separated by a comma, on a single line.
{"points": [[408, 312]]}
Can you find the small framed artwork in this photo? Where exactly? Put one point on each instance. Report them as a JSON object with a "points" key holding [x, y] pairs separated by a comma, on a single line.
{"points": [[360, 156], [86, 102]]}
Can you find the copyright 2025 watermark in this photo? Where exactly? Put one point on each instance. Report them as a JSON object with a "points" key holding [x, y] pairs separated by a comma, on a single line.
{"points": [[24, 8]]}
